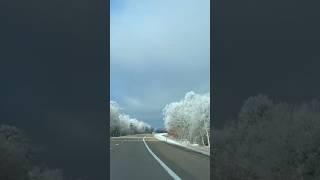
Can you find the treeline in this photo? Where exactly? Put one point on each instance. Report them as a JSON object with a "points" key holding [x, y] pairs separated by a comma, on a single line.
{"points": [[121, 124], [269, 140], [189, 118], [16, 158]]}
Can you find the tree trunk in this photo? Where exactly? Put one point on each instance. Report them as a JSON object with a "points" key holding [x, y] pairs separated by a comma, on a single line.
{"points": [[208, 138], [202, 140]]}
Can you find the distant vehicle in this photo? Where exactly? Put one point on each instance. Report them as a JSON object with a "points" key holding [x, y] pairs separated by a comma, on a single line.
{"points": [[160, 130]]}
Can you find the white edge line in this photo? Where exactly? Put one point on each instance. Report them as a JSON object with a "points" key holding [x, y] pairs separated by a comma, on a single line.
{"points": [[171, 173]]}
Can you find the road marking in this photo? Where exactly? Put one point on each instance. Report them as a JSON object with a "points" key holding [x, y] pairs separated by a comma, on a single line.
{"points": [[125, 137], [131, 140], [171, 173]]}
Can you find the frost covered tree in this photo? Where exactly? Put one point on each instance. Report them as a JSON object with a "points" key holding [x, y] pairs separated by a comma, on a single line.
{"points": [[15, 152], [255, 108], [114, 119], [16, 161], [45, 174], [122, 124], [270, 140], [189, 118]]}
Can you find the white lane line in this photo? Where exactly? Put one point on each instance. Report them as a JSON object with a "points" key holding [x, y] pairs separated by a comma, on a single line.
{"points": [[171, 173]]}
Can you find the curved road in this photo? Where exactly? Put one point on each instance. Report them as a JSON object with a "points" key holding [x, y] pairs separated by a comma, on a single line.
{"points": [[131, 159]]}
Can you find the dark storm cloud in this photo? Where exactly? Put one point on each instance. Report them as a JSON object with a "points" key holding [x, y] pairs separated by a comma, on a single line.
{"points": [[53, 75], [267, 47]]}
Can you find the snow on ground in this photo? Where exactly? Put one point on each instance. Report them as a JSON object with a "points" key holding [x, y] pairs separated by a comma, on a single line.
{"points": [[194, 147]]}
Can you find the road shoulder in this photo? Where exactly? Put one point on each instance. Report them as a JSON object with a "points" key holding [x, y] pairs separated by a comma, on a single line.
{"points": [[161, 137]]}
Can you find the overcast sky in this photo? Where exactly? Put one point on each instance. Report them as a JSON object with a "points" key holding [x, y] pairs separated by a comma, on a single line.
{"points": [[159, 51]]}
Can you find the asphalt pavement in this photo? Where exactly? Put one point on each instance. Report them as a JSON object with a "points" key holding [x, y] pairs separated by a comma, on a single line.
{"points": [[142, 157]]}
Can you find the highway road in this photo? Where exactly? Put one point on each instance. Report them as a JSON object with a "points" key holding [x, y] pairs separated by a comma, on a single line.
{"points": [[142, 157]]}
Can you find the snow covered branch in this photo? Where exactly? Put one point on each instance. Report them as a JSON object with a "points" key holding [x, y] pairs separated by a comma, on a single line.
{"points": [[189, 119], [122, 124]]}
